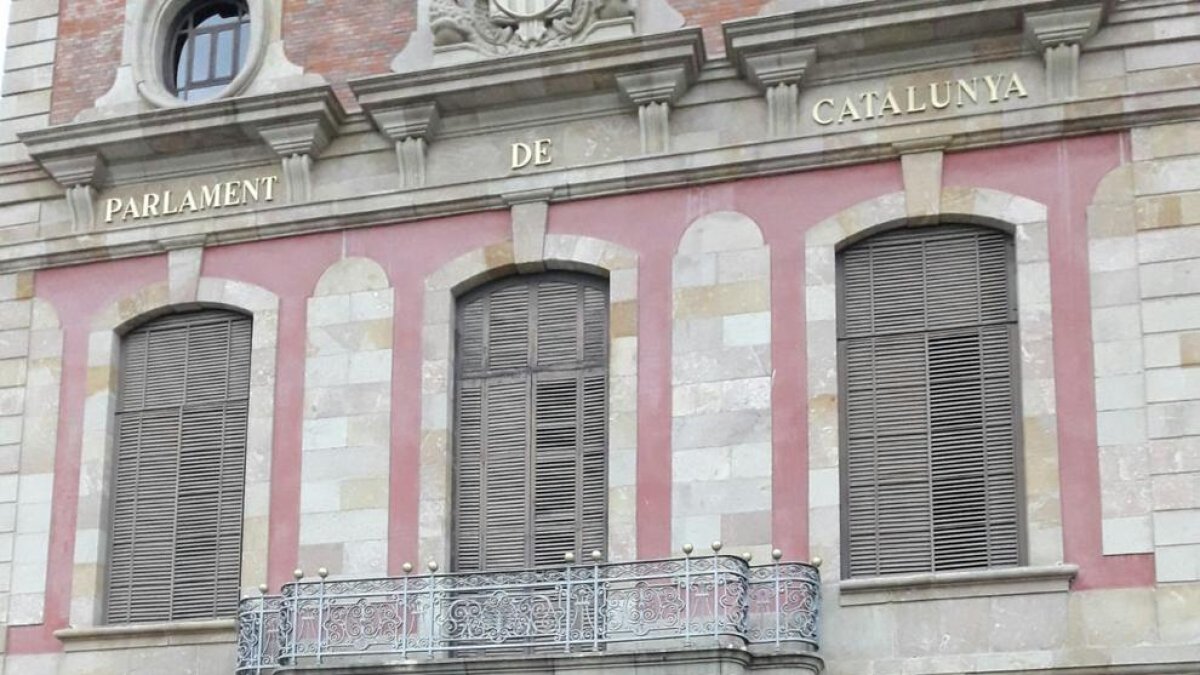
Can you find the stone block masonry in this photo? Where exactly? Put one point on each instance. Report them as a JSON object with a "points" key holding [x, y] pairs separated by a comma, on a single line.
{"points": [[347, 421], [721, 384]]}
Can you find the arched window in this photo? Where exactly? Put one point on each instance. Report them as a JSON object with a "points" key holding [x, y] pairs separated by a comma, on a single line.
{"points": [[530, 421], [182, 412], [207, 48], [927, 338]]}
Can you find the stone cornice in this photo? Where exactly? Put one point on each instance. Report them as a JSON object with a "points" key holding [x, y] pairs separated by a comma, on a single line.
{"points": [[277, 119], [530, 78], [767, 157], [872, 25]]}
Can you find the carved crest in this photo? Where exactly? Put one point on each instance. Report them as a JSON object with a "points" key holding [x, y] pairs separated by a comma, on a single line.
{"points": [[496, 27]]}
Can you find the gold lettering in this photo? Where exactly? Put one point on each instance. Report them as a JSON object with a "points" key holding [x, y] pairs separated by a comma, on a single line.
{"points": [[968, 89], [848, 110], [269, 187], [889, 101], [869, 99], [993, 87], [541, 152], [933, 95], [110, 209], [167, 210], [131, 210], [209, 197], [189, 202], [522, 155], [231, 194], [249, 191], [150, 202], [816, 112], [1015, 85], [912, 101]]}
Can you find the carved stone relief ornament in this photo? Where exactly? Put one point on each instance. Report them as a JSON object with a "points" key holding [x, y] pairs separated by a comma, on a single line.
{"points": [[502, 27]]}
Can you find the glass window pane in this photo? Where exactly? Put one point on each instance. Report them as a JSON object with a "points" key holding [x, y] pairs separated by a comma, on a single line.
{"points": [[243, 43], [181, 64], [224, 54], [201, 51], [204, 93]]}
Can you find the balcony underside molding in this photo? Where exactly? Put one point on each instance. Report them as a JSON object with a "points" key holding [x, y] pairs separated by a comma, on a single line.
{"points": [[174, 633], [967, 584], [662, 662]]}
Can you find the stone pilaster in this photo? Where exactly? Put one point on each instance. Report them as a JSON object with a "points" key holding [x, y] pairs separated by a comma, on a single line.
{"points": [[30, 366], [347, 421], [721, 386], [1165, 242]]}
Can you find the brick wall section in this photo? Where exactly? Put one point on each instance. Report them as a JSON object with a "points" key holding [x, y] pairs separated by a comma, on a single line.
{"points": [[89, 52], [709, 14], [346, 40], [340, 41]]}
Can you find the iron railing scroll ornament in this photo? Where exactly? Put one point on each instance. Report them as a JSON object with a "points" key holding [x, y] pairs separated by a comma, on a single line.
{"points": [[692, 602]]}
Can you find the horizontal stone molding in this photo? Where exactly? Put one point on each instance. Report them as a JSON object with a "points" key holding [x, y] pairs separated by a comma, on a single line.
{"points": [[966, 584], [825, 25], [585, 69], [252, 120], [174, 633], [732, 661], [621, 176]]}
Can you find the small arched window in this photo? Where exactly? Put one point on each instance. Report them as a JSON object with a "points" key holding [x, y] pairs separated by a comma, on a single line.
{"points": [[207, 48], [175, 550]]}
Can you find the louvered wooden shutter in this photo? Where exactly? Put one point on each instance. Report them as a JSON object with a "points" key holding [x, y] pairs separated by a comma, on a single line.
{"points": [[927, 350], [179, 478], [530, 433]]}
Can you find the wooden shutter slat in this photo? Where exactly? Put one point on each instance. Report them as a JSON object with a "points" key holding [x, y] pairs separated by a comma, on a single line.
{"points": [[927, 345], [177, 498]]}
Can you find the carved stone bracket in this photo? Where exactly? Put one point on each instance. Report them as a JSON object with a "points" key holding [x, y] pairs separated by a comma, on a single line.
{"points": [[411, 127], [653, 92], [78, 175], [298, 144], [1058, 33], [778, 73], [530, 211]]}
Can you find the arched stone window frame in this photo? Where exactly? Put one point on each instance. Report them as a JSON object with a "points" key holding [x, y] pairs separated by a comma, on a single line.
{"points": [[98, 446], [472, 269], [1026, 221]]}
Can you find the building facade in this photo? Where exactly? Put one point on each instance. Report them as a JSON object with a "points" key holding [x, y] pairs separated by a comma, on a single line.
{"points": [[656, 336]]}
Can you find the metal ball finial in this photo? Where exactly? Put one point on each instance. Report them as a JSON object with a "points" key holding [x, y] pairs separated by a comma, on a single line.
{"points": [[717, 546], [816, 561], [298, 574], [263, 588], [597, 556], [688, 548], [747, 556], [569, 557], [322, 572], [776, 555], [407, 567], [432, 565]]}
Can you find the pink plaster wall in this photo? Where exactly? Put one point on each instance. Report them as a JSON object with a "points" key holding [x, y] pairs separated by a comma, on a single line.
{"points": [[1061, 174], [1064, 176]]}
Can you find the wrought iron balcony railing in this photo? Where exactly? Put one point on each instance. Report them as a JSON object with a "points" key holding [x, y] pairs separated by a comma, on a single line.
{"points": [[691, 602]]}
